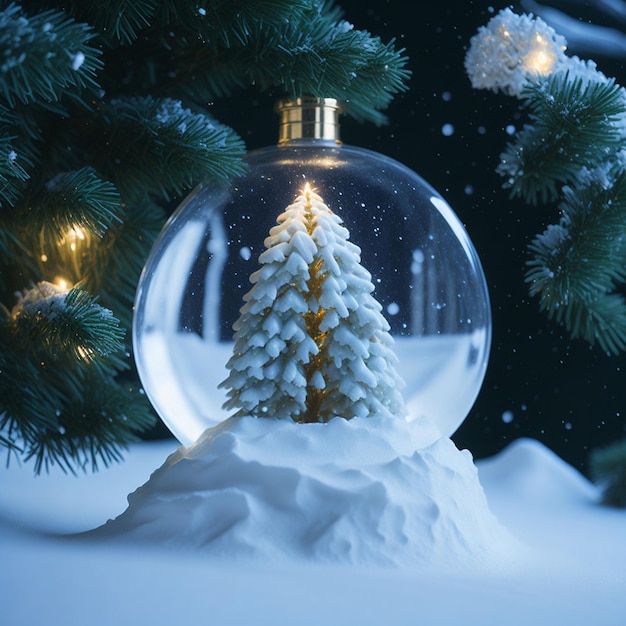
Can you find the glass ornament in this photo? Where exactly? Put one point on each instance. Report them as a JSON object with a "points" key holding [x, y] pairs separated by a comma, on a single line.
{"points": [[425, 269]]}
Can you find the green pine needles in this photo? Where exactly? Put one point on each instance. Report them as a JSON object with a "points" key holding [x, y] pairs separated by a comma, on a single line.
{"points": [[578, 265], [574, 122], [572, 152], [103, 120], [60, 356], [46, 56]]}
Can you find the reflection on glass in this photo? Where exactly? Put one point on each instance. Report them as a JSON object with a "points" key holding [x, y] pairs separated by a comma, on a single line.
{"points": [[424, 267]]}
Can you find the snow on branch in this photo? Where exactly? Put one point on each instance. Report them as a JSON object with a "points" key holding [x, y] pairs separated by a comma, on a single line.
{"points": [[509, 49], [59, 321], [571, 151], [45, 56]]}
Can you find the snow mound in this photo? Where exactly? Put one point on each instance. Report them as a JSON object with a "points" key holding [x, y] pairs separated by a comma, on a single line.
{"points": [[529, 469], [366, 491]]}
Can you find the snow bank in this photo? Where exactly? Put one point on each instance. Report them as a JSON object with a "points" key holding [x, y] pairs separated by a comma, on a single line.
{"points": [[366, 491], [531, 470], [570, 572]]}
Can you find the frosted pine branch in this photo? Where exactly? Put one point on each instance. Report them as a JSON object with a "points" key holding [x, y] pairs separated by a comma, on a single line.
{"points": [[45, 56], [578, 263], [572, 151]]}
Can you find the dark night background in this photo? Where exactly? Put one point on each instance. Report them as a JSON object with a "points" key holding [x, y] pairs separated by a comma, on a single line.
{"points": [[561, 392]]}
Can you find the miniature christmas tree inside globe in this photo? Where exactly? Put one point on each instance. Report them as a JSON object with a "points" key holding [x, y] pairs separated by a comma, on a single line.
{"points": [[424, 269], [311, 343]]}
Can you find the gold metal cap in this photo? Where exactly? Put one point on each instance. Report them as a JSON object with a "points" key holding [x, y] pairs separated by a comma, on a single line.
{"points": [[309, 118]]}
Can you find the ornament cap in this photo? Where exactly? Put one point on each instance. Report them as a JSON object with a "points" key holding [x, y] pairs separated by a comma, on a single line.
{"points": [[309, 118]]}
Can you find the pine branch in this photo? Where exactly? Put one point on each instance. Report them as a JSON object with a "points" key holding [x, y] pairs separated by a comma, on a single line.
{"points": [[25, 411], [174, 43], [10, 248], [72, 412], [68, 329], [573, 122], [21, 137], [288, 48], [93, 428], [573, 147], [117, 21], [159, 147], [44, 56], [601, 320], [78, 199], [235, 23], [12, 164], [221, 21], [11, 172], [579, 262], [320, 56], [31, 404], [585, 253]]}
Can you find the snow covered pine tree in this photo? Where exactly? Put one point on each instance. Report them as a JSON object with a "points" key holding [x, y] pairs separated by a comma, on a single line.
{"points": [[311, 343]]}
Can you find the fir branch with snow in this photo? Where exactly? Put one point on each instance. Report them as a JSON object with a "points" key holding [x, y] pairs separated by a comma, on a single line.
{"points": [[311, 343], [570, 153], [578, 264], [575, 124], [46, 56], [72, 348]]}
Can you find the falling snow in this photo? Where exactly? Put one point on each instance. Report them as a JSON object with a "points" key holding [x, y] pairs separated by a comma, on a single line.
{"points": [[507, 417], [447, 130], [77, 61]]}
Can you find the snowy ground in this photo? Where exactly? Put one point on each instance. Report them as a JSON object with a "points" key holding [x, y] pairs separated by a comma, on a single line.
{"points": [[570, 571]]}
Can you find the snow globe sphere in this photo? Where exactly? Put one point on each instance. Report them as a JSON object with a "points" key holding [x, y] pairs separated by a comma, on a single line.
{"points": [[425, 269]]}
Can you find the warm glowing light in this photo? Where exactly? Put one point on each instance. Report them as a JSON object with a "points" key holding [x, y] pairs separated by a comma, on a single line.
{"points": [[75, 235], [307, 190], [62, 284], [539, 61], [44, 258], [85, 353]]}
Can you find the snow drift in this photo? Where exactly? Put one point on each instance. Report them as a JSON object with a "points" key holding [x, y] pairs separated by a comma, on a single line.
{"points": [[366, 491], [570, 571]]}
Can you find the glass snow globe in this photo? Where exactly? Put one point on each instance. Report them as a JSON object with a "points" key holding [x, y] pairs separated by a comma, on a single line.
{"points": [[425, 269]]}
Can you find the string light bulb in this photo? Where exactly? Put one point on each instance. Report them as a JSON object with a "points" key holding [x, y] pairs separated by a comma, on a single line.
{"points": [[64, 255], [74, 237], [541, 58], [62, 284]]}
